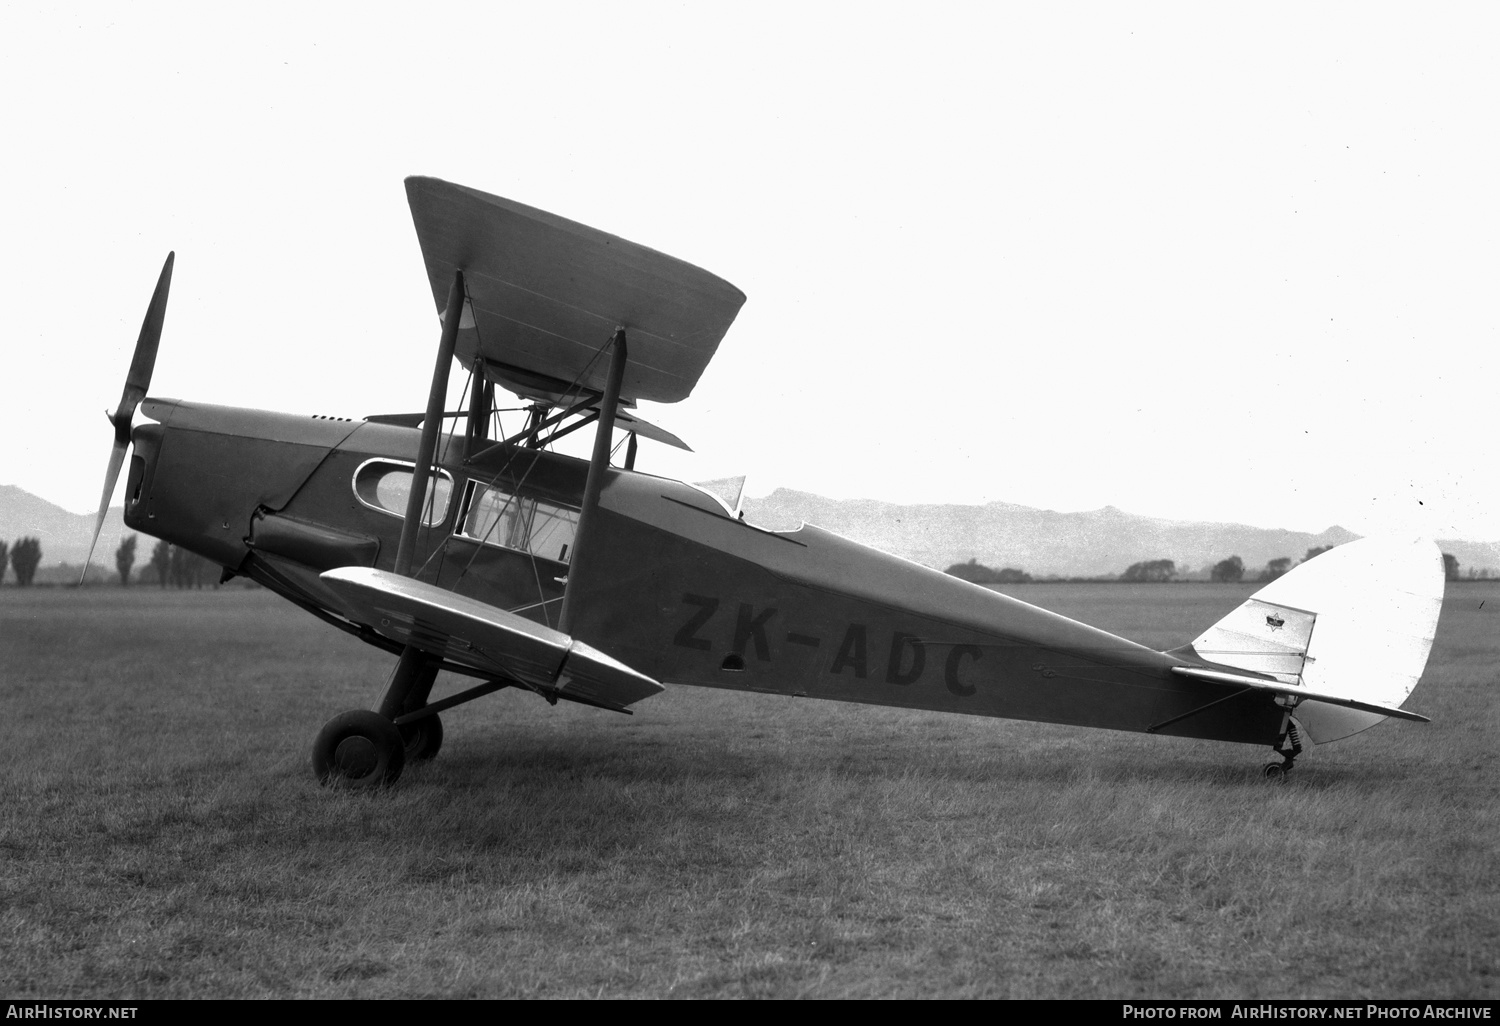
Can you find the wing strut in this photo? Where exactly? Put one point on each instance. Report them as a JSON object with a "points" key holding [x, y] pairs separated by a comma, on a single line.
{"points": [[603, 435], [427, 448], [481, 403], [412, 680]]}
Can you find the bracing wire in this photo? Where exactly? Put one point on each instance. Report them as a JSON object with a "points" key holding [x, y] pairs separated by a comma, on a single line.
{"points": [[574, 391]]}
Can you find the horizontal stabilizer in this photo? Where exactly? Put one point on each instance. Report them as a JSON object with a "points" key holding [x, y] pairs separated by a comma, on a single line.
{"points": [[1222, 677], [478, 635]]}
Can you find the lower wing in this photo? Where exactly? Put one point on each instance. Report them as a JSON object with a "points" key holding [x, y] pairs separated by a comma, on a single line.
{"points": [[478, 635]]}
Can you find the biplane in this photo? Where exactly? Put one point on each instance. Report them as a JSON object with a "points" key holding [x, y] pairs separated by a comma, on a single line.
{"points": [[457, 547]]}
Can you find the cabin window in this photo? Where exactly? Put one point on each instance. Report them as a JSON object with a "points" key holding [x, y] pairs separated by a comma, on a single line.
{"points": [[384, 485], [522, 522]]}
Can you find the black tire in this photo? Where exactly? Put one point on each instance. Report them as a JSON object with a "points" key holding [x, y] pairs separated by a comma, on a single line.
{"points": [[423, 738], [1275, 771], [358, 749]]}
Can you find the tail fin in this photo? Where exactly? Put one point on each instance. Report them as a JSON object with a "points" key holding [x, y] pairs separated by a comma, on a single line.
{"points": [[1356, 622]]}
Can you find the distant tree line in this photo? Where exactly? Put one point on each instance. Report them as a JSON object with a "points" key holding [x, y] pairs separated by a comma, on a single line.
{"points": [[1275, 568], [1151, 571], [1230, 571], [1233, 568], [180, 568], [977, 573], [1475, 573], [170, 564], [24, 554], [125, 559]]}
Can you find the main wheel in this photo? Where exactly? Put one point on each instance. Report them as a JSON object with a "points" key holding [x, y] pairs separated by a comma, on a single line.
{"points": [[423, 738], [359, 749], [1275, 771]]}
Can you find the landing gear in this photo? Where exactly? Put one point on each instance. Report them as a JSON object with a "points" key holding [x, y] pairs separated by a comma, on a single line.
{"points": [[359, 749], [423, 738], [365, 749], [1289, 747]]}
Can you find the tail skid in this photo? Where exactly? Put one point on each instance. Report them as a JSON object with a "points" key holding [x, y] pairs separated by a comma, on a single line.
{"points": [[1344, 637]]}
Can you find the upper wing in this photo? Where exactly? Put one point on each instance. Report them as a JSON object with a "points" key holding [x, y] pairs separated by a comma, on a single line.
{"points": [[547, 293], [475, 634]]}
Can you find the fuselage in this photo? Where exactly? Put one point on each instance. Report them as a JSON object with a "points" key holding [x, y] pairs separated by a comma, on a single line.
{"points": [[673, 584]]}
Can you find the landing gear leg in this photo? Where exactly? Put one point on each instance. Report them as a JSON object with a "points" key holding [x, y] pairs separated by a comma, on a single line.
{"points": [[410, 688], [1289, 747], [366, 749]]}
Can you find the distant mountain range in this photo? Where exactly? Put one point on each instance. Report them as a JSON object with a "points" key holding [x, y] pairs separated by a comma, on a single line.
{"points": [[999, 534], [1097, 543], [64, 536]]}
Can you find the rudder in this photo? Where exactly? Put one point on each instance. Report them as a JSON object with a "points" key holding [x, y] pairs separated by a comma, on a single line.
{"points": [[1357, 621]]}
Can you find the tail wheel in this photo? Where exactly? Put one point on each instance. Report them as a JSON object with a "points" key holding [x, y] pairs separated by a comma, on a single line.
{"points": [[422, 738], [1289, 747], [358, 749]]}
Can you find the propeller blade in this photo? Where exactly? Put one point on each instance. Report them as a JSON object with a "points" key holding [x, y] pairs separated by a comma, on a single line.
{"points": [[111, 478], [138, 380]]}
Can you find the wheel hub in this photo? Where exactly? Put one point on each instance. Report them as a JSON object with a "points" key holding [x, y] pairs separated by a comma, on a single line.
{"points": [[356, 757]]}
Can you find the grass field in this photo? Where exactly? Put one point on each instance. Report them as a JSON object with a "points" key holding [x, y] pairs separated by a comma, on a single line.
{"points": [[162, 836]]}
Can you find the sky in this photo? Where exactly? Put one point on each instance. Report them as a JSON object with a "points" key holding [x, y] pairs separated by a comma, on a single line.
{"points": [[1212, 262]]}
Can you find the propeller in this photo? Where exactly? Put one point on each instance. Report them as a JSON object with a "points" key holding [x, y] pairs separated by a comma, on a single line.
{"points": [[137, 381]]}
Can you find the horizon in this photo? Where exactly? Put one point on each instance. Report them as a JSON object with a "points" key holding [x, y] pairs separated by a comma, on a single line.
{"points": [[1176, 261], [1098, 542], [865, 498]]}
